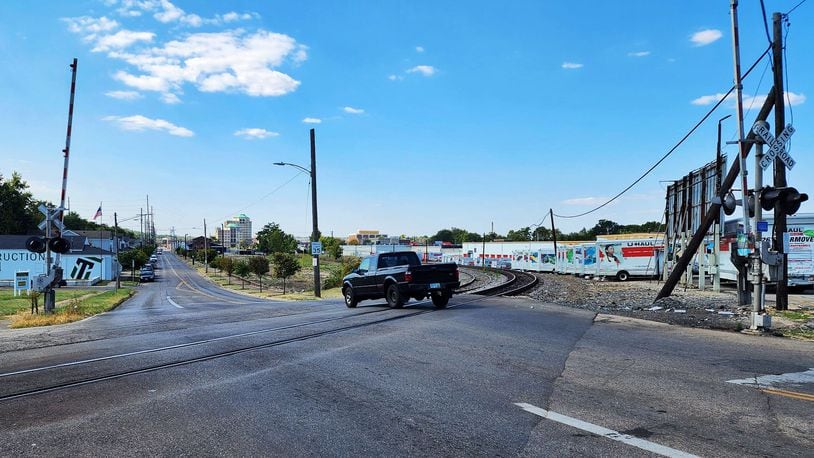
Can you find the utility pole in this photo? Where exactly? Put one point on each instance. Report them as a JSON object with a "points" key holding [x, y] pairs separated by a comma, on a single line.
{"points": [[315, 231], [206, 250], [782, 289], [141, 225], [483, 254], [742, 150], [553, 230], [116, 241]]}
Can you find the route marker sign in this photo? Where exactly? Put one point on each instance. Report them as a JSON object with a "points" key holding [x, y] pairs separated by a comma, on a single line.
{"points": [[316, 248], [777, 146]]}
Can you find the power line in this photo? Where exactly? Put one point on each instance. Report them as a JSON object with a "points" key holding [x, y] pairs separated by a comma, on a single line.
{"points": [[265, 196], [794, 8], [765, 22], [666, 155]]}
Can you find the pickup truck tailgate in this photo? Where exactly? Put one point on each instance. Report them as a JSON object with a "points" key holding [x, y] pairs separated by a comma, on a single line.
{"points": [[435, 273]]}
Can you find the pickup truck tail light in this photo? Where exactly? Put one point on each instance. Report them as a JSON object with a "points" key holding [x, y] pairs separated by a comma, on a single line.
{"points": [[408, 276]]}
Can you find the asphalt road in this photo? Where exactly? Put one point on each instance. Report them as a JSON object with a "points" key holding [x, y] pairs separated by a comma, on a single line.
{"points": [[185, 368]]}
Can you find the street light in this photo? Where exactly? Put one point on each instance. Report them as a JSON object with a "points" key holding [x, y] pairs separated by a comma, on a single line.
{"points": [[315, 229]]}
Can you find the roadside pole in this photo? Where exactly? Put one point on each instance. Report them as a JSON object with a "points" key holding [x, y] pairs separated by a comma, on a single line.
{"points": [[553, 231], [758, 318], [782, 289], [116, 241], [315, 229], [206, 250]]}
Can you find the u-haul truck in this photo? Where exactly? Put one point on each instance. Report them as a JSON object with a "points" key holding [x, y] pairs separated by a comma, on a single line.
{"points": [[800, 229], [535, 259], [626, 258]]}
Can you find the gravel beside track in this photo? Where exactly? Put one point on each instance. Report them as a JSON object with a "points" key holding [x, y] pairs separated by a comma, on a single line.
{"points": [[686, 307]]}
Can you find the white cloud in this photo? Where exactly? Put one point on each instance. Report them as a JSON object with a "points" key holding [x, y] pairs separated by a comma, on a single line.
{"points": [[705, 37], [585, 201], [124, 95], [352, 110], [230, 61], [748, 100], [395, 77], [639, 53], [90, 25], [419, 49], [312, 121], [253, 133], [166, 12], [571, 65], [426, 70], [138, 123], [121, 40], [170, 99], [233, 16], [708, 99]]}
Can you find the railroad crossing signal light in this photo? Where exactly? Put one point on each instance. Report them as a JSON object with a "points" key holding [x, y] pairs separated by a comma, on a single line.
{"points": [[788, 198], [35, 244], [59, 245], [729, 204]]}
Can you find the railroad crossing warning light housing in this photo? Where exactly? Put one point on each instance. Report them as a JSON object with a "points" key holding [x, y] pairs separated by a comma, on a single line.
{"points": [[729, 204], [788, 198], [35, 244], [59, 245]]}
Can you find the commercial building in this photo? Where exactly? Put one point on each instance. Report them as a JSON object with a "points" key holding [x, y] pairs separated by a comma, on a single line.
{"points": [[365, 237], [235, 232], [83, 264]]}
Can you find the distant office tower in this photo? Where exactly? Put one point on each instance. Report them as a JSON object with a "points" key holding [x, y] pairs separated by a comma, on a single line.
{"points": [[236, 231]]}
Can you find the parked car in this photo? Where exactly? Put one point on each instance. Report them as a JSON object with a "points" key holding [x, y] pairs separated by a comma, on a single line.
{"points": [[399, 276], [147, 274]]}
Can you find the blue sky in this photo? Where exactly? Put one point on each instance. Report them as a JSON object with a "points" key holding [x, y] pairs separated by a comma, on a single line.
{"points": [[427, 114]]}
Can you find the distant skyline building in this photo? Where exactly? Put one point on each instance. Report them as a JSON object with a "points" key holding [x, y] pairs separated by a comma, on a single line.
{"points": [[235, 231]]}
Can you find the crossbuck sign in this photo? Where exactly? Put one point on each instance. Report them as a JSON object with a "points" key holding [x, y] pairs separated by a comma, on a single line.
{"points": [[777, 146]]}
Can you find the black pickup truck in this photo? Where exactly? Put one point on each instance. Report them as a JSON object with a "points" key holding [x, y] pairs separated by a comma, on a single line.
{"points": [[397, 277]]}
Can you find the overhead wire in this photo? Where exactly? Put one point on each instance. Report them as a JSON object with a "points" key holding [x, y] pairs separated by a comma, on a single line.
{"points": [[675, 147], [794, 8], [765, 22], [265, 196]]}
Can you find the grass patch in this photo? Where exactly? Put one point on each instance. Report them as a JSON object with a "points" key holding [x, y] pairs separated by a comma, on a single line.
{"points": [[796, 315], [799, 333], [76, 307], [10, 305]]}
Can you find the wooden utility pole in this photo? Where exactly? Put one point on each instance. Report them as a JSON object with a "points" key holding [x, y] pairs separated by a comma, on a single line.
{"points": [[782, 291]]}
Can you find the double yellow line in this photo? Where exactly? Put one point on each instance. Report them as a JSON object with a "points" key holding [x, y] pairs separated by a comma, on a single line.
{"points": [[789, 394]]}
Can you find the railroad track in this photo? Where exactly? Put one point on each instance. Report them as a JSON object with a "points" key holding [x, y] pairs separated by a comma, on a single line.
{"points": [[517, 283], [72, 373]]}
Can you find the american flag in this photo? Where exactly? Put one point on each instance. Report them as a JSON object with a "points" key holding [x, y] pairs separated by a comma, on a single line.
{"points": [[98, 212]]}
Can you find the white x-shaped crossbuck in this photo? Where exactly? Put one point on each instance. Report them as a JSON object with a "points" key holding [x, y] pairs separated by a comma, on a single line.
{"points": [[777, 146]]}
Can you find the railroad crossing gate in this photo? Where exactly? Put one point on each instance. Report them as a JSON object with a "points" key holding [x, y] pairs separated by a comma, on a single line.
{"points": [[777, 146]]}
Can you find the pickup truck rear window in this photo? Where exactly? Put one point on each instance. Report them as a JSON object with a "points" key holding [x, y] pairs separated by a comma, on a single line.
{"points": [[398, 259]]}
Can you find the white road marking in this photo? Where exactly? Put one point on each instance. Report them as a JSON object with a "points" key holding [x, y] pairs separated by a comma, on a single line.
{"points": [[169, 299], [772, 380], [605, 432]]}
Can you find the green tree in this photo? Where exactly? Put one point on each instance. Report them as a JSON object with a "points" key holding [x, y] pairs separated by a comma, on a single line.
{"points": [[605, 227], [259, 265], [521, 235], [227, 264], [16, 205], [285, 265], [444, 235], [242, 270], [133, 259], [271, 239], [332, 246]]}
